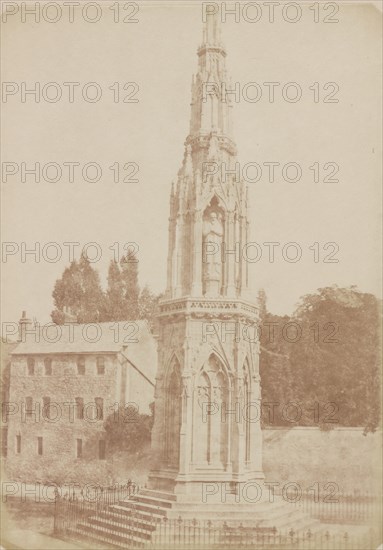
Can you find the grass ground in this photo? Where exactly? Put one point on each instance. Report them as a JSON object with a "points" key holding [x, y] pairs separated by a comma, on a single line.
{"points": [[308, 455], [305, 456]]}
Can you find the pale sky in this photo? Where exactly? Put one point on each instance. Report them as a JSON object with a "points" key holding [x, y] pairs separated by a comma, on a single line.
{"points": [[159, 54]]}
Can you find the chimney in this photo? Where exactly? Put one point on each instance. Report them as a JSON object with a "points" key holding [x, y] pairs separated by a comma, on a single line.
{"points": [[24, 325]]}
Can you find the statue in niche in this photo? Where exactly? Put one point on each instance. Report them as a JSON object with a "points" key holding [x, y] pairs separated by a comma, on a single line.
{"points": [[212, 238]]}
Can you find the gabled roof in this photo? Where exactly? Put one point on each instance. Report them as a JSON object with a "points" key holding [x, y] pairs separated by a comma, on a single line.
{"points": [[108, 337], [132, 339]]}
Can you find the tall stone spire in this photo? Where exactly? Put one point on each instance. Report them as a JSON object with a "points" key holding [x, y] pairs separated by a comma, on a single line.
{"points": [[211, 104], [209, 206], [207, 287]]}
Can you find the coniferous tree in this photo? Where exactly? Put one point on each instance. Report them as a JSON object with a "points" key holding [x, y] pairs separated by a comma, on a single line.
{"points": [[115, 295], [129, 277], [148, 304], [80, 291]]}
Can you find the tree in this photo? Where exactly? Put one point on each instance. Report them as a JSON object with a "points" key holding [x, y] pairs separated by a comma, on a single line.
{"points": [[336, 361], [128, 430], [129, 277], [262, 304], [327, 363], [115, 295], [274, 368], [80, 291], [148, 304]]}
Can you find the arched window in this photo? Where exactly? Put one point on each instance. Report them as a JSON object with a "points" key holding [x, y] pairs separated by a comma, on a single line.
{"points": [[99, 408], [81, 365], [211, 415], [31, 366], [48, 366], [100, 365]]}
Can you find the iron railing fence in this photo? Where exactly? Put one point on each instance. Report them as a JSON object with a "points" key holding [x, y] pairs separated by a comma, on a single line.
{"points": [[349, 508], [116, 522]]}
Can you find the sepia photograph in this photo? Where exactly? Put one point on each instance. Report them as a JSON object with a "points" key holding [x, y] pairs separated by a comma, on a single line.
{"points": [[191, 275]]}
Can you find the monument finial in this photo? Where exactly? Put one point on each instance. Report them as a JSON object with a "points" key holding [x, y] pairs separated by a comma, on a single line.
{"points": [[212, 29], [209, 112]]}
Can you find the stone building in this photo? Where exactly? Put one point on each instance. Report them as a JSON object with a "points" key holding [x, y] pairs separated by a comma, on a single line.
{"points": [[65, 381]]}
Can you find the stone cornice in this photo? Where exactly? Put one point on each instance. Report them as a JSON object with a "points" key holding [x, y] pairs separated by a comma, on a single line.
{"points": [[224, 308]]}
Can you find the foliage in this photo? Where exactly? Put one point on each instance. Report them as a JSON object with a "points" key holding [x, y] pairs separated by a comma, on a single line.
{"points": [[79, 290], [148, 304], [131, 290], [128, 430], [116, 302], [79, 293], [332, 370], [338, 358]]}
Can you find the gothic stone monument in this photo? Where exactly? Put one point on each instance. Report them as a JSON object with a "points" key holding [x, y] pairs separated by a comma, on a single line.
{"points": [[208, 359]]}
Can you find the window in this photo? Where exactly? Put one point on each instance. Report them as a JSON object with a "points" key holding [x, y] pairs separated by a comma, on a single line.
{"points": [[101, 449], [46, 407], [79, 408], [79, 448], [100, 365], [31, 366], [28, 406], [18, 444], [81, 365], [99, 408], [48, 366], [40, 446]]}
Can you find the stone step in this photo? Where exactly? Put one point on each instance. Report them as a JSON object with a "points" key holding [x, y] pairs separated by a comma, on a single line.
{"points": [[98, 542], [150, 508], [222, 512], [152, 500], [284, 519], [162, 495], [127, 512], [284, 514], [136, 530], [136, 522], [147, 521], [105, 534]]}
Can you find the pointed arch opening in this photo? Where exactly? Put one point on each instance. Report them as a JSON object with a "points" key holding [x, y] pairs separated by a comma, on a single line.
{"points": [[211, 400], [173, 413], [213, 238]]}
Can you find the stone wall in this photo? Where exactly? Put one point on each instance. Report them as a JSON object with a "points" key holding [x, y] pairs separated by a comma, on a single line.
{"points": [[61, 431], [309, 455]]}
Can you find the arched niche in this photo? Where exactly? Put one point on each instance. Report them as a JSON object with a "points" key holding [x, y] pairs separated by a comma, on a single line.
{"points": [[210, 426], [213, 239], [173, 389]]}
